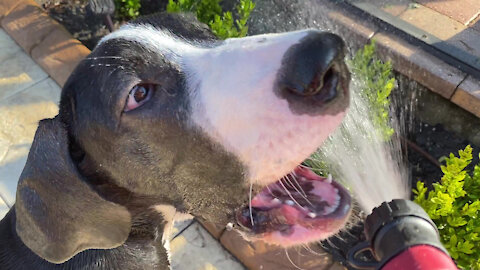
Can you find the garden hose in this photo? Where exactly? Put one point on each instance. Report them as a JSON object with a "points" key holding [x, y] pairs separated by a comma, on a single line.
{"points": [[400, 235]]}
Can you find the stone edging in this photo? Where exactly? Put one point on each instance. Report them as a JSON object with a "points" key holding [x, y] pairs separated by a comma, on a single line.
{"points": [[44, 39], [412, 61]]}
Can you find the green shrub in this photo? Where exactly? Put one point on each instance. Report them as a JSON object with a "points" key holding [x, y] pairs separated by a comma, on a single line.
{"points": [[210, 12], [453, 204], [127, 9], [376, 78]]}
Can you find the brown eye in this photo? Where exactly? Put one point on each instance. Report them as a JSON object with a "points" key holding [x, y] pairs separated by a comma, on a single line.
{"points": [[140, 93], [138, 96]]}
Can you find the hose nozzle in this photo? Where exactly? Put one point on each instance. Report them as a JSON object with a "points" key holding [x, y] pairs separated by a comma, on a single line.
{"points": [[392, 228]]}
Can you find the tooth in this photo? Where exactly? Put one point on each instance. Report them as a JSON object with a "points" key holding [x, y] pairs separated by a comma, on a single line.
{"points": [[289, 202], [276, 200], [312, 215], [229, 226], [329, 178]]}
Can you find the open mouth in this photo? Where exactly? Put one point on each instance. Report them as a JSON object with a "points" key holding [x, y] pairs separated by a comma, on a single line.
{"points": [[301, 207]]}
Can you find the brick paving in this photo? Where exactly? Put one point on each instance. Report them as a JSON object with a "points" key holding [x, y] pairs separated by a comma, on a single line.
{"points": [[452, 24], [463, 11]]}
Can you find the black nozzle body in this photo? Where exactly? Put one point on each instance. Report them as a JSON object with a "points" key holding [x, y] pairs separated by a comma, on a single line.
{"points": [[397, 225]]}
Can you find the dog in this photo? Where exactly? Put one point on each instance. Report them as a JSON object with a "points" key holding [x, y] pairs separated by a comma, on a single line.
{"points": [[162, 118]]}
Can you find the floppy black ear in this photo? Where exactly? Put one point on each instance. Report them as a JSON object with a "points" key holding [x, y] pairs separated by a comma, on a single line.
{"points": [[58, 214]]}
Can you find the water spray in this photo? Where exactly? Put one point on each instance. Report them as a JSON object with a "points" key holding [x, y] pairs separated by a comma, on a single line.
{"points": [[400, 235]]}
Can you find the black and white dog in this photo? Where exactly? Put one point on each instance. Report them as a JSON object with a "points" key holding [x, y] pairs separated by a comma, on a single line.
{"points": [[162, 118]]}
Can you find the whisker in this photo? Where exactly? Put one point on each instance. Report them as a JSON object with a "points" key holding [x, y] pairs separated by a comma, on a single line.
{"points": [[290, 194], [331, 243], [105, 57], [250, 204], [294, 178], [271, 193], [294, 265], [309, 249], [302, 193]]}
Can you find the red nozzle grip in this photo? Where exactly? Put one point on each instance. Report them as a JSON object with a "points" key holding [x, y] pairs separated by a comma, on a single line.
{"points": [[421, 257]]}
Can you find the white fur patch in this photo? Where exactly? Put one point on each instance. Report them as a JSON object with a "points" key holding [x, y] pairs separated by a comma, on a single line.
{"points": [[232, 98], [170, 214]]}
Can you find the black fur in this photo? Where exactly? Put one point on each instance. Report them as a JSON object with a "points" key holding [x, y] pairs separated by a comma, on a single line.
{"points": [[132, 160]]}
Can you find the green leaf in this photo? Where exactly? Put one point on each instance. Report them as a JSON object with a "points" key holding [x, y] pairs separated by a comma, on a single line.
{"points": [[454, 205]]}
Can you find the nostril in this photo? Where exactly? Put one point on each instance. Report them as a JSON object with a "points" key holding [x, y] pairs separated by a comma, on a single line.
{"points": [[328, 76], [321, 80], [312, 68], [330, 82]]}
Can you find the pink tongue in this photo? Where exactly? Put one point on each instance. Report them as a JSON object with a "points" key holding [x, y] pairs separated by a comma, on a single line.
{"points": [[307, 173]]}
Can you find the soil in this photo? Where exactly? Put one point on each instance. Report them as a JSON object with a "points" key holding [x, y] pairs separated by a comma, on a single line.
{"points": [[435, 140], [89, 28]]}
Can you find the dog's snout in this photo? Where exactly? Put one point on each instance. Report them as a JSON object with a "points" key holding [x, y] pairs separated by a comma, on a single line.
{"points": [[314, 67]]}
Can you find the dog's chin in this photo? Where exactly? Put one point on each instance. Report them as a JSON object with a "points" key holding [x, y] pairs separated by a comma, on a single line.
{"points": [[300, 208]]}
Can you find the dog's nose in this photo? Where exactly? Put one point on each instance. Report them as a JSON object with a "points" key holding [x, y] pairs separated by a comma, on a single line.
{"points": [[313, 67]]}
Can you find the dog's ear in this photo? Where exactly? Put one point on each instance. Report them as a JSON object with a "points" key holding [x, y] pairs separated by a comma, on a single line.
{"points": [[58, 214]]}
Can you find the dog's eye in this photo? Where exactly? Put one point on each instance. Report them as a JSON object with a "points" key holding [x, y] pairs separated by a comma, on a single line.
{"points": [[139, 94]]}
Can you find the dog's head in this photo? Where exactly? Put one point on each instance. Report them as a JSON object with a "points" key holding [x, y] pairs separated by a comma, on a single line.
{"points": [[162, 110]]}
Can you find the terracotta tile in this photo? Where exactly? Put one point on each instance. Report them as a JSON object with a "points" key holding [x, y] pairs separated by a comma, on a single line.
{"points": [[28, 25], [394, 8], [214, 229], [448, 30], [7, 5], [356, 31], [350, 24], [58, 54], [462, 11], [433, 22], [467, 95], [258, 255], [419, 65]]}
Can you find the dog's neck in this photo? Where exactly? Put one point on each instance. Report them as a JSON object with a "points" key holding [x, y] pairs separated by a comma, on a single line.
{"points": [[142, 250]]}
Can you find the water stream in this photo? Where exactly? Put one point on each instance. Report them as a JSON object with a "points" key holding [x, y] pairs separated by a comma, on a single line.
{"points": [[359, 157], [356, 154]]}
